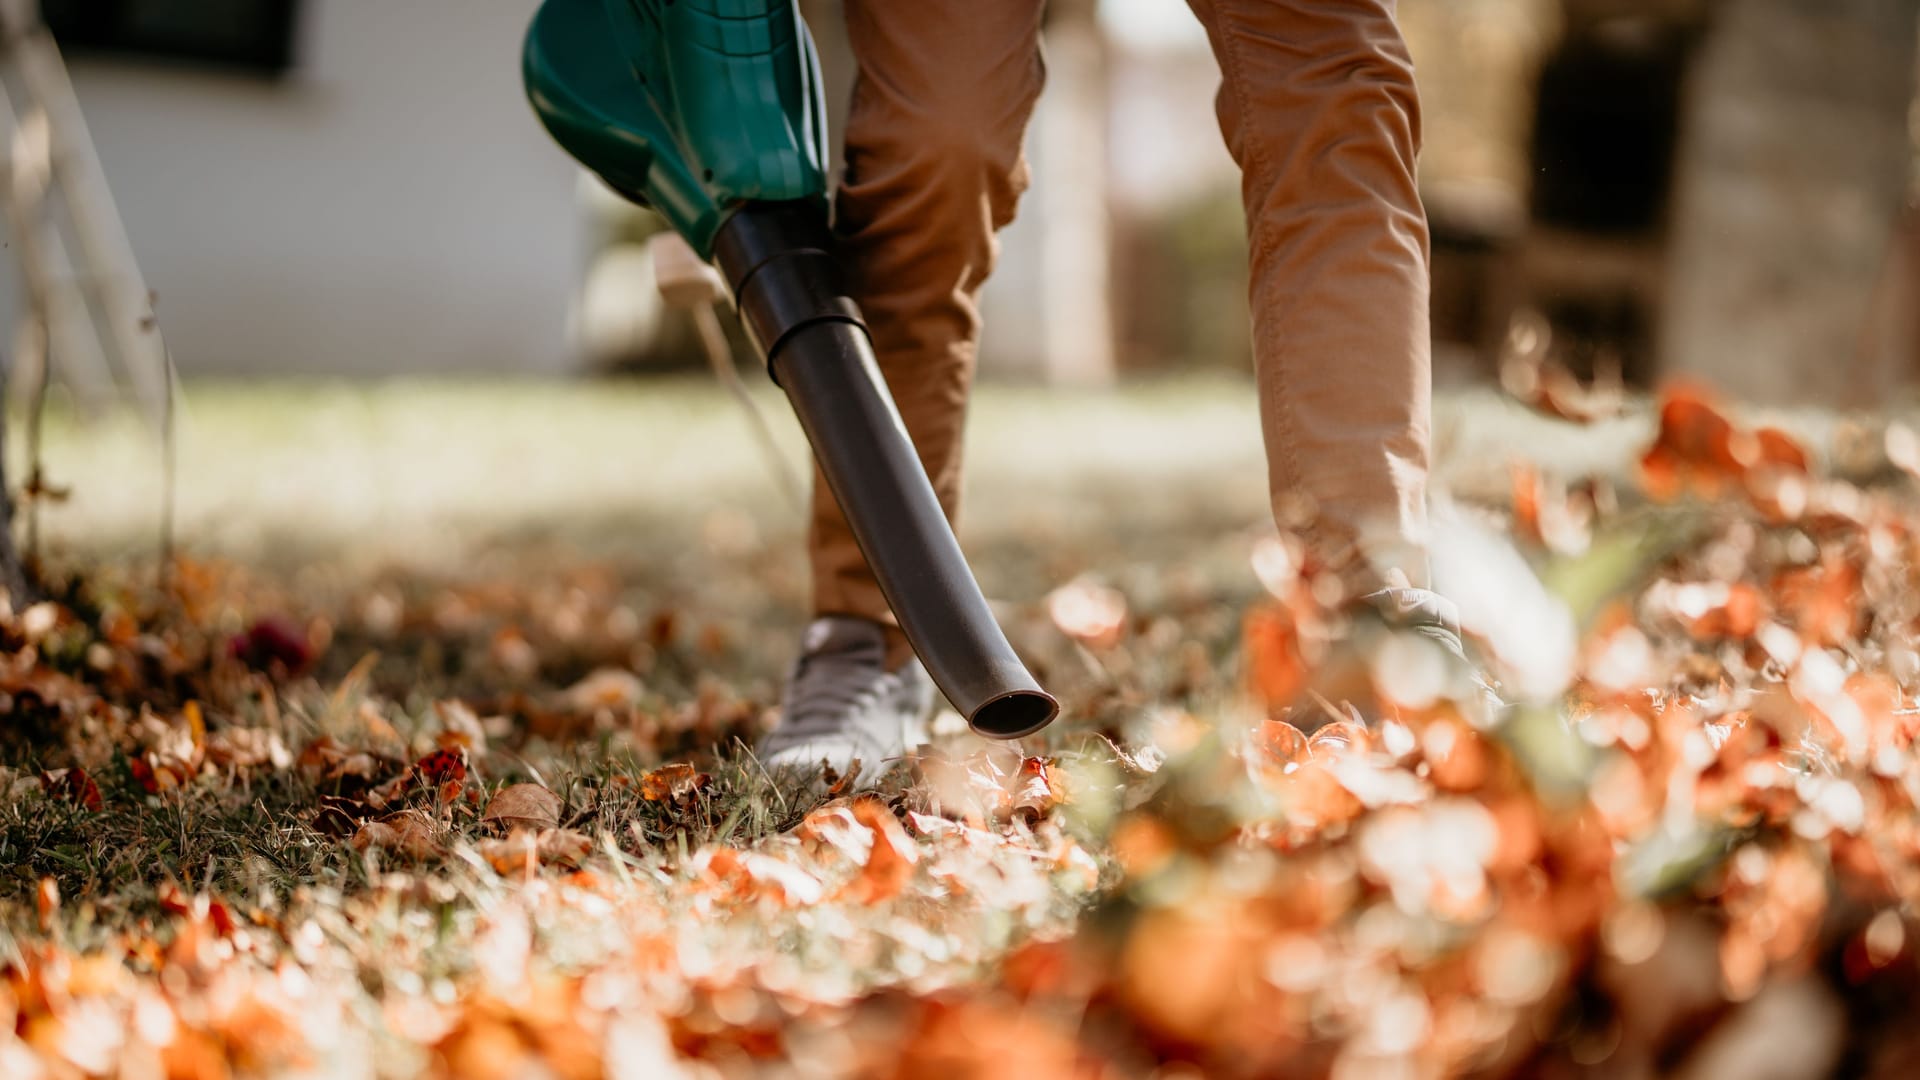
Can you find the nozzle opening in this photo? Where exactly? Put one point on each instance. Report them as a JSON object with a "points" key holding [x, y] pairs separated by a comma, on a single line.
{"points": [[1015, 714]]}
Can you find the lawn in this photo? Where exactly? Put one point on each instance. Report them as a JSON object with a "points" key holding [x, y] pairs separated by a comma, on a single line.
{"points": [[430, 754]]}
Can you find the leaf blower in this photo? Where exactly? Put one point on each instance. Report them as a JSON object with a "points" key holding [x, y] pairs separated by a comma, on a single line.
{"points": [[710, 112]]}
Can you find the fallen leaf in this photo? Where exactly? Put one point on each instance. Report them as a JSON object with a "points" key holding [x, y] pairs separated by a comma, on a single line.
{"points": [[462, 728], [1282, 746], [335, 822], [1694, 447], [196, 725], [795, 885], [1823, 600], [524, 849], [1093, 615], [46, 898], [394, 790], [273, 643], [607, 688], [839, 783], [1546, 385], [524, 806], [835, 826], [445, 770], [73, 785], [1551, 515], [410, 833], [247, 748], [890, 861], [1037, 788], [327, 760], [677, 782], [1275, 665]]}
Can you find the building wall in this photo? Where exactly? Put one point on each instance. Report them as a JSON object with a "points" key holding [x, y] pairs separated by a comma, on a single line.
{"points": [[1792, 178], [390, 206]]}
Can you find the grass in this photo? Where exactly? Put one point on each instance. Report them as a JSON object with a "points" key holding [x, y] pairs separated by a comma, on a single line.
{"points": [[637, 502], [595, 588], [437, 471]]}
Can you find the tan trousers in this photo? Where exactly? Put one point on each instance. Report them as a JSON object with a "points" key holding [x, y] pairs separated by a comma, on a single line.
{"points": [[1318, 108]]}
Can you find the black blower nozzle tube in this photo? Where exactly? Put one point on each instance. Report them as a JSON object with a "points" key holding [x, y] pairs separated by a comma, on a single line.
{"points": [[778, 256]]}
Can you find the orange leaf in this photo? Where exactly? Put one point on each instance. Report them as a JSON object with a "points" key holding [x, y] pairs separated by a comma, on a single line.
{"points": [[1771, 446], [196, 725], [1339, 738], [1660, 475], [677, 781], [1526, 500], [1038, 788], [1282, 746], [1694, 430], [890, 862], [1822, 601], [1695, 444], [1270, 642], [47, 902]]}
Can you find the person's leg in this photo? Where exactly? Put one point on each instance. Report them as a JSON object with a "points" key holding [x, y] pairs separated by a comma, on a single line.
{"points": [[933, 168], [1318, 106]]}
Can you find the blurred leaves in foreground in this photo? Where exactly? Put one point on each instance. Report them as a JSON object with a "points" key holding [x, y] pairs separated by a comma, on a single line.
{"points": [[1665, 825]]}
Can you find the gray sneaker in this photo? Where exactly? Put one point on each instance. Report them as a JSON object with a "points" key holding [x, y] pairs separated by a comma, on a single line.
{"points": [[1424, 612], [843, 705], [1434, 617]]}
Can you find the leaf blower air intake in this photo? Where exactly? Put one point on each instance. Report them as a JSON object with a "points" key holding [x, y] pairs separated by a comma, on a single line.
{"points": [[710, 112]]}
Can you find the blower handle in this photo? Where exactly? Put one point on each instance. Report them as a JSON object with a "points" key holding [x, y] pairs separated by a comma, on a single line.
{"points": [[792, 295]]}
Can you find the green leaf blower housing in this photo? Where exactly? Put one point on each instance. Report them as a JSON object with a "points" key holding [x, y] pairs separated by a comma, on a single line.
{"points": [[710, 112]]}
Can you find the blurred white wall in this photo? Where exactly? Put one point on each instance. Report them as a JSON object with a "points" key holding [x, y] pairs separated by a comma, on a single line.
{"points": [[391, 205]]}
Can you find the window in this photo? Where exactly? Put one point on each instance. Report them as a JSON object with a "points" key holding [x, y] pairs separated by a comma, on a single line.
{"points": [[1606, 128], [248, 35]]}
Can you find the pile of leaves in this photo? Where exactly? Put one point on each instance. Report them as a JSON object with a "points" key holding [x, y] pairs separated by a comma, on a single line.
{"points": [[1662, 823]]}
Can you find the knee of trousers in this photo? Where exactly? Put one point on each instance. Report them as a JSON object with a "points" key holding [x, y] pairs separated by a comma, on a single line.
{"points": [[922, 198], [1348, 75], [945, 160]]}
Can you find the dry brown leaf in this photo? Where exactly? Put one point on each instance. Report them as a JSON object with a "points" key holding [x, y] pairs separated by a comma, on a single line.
{"points": [[677, 782], [335, 820], [328, 760], [247, 748], [1547, 386], [607, 688], [410, 833], [462, 728], [524, 806], [1093, 615], [526, 849], [1037, 788], [73, 785]]}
